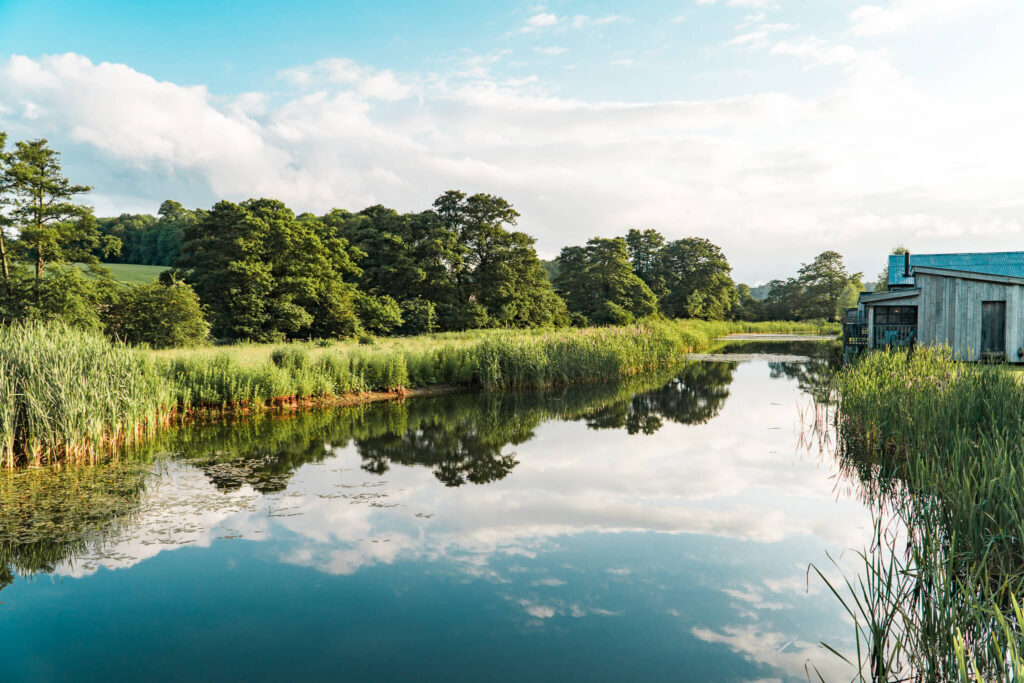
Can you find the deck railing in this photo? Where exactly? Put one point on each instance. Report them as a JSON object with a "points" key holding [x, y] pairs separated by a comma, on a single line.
{"points": [[895, 335], [855, 333]]}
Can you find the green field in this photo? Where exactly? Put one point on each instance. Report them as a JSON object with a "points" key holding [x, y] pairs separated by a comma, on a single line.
{"points": [[132, 273]]}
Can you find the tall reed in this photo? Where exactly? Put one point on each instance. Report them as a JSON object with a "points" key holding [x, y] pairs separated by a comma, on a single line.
{"points": [[67, 394], [939, 446]]}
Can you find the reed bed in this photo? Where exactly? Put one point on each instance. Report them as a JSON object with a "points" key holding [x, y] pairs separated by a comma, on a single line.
{"points": [[67, 395], [939, 448]]}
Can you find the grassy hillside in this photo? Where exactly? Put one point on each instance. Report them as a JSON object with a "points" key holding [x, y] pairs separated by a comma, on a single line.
{"points": [[133, 273]]}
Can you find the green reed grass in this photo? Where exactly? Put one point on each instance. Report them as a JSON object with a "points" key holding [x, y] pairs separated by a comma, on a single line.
{"points": [[939, 446], [66, 395]]}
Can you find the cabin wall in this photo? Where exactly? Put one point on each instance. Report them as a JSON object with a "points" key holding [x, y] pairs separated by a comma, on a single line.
{"points": [[949, 312]]}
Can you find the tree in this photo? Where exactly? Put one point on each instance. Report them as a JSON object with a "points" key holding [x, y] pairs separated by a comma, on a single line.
{"points": [[6, 200], [266, 275], [746, 306], [599, 285], [52, 227], [145, 239], [65, 295], [380, 315], [494, 271], [781, 300], [821, 289], [697, 280], [824, 286], [404, 256], [419, 316], [644, 249]]}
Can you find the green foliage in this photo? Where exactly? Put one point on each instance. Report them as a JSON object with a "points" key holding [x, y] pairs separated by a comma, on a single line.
{"points": [[644, 249], [821, 289], [160, 315], [419, 316], [379, 315], [51, 227], [148, 240], [746, 307], [496, 269], [266, 275], [697, 280], [598, 283], [65, 295], [460, 257]]}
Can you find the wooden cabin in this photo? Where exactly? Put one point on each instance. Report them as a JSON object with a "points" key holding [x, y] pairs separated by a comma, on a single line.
{"points": [[973, 303]]}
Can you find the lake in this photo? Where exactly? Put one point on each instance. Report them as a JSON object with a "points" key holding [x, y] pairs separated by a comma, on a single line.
{"points": [[657, 529]]}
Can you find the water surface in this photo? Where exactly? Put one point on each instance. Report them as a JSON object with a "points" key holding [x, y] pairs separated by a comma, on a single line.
{"points": [[655, 530]]}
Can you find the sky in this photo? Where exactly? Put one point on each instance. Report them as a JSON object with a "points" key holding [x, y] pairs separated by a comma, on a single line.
{"points": [[776, 128]]}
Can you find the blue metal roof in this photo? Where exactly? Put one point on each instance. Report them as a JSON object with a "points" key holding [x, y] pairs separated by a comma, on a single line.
{"points": [[1010, 263]]}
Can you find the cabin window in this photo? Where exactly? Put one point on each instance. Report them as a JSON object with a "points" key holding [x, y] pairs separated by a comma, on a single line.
{"points": [[895, 315]]}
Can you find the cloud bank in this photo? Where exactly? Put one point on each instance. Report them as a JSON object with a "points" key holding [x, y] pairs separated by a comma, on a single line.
{"points": [[774, 178]]}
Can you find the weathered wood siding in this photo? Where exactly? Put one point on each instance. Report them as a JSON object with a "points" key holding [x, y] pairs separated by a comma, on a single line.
{"points": [[949, 312]]}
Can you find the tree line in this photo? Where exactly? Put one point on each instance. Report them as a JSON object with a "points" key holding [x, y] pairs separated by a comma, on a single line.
{"points": [[256, 270]]}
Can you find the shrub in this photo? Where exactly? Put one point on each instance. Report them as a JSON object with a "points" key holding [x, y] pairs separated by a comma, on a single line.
{"points": [[419, 316], [160, 315], [379, 315]]}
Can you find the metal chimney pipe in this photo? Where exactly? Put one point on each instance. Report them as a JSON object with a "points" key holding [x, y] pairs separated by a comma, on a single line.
{"points": [[906, 264]]}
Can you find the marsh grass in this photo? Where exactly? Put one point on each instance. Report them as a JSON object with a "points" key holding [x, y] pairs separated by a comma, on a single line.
{"points": [[938, 446], [67, 395]]}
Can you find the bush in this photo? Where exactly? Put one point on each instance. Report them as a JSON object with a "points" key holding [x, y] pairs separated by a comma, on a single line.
{"points": [[379, 315], [469, 316], [419, 316], [159, 315], [65, 295]]}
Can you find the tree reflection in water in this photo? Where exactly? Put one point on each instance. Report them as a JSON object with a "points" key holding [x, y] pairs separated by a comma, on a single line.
{"points": [[51, 516]]}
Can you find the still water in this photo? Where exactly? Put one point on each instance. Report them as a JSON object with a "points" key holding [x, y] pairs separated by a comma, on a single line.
{"points": [[658, 530]]}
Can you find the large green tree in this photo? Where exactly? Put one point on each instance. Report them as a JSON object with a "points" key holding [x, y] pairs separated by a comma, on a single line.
{"points": [[405, 256], [599, 285], [822, 288], [52, 227], [645, 252], [697, 280], [497, 278], [826, 286], [265, 274], [149, 240]]}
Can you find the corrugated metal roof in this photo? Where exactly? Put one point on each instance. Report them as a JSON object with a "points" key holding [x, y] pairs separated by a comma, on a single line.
{"points": [[1010, 263]]}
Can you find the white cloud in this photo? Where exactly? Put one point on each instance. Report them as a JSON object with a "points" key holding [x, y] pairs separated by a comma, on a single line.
{"points": [[539, 21], [551, 51], [900, 16], [757, 174], [373, 84]]}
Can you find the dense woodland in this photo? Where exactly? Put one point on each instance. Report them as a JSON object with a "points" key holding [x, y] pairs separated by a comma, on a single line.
{"points": [[255, 270]]}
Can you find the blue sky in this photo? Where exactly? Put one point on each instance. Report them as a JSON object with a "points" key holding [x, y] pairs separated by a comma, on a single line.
{"points": [[776, 128]]}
